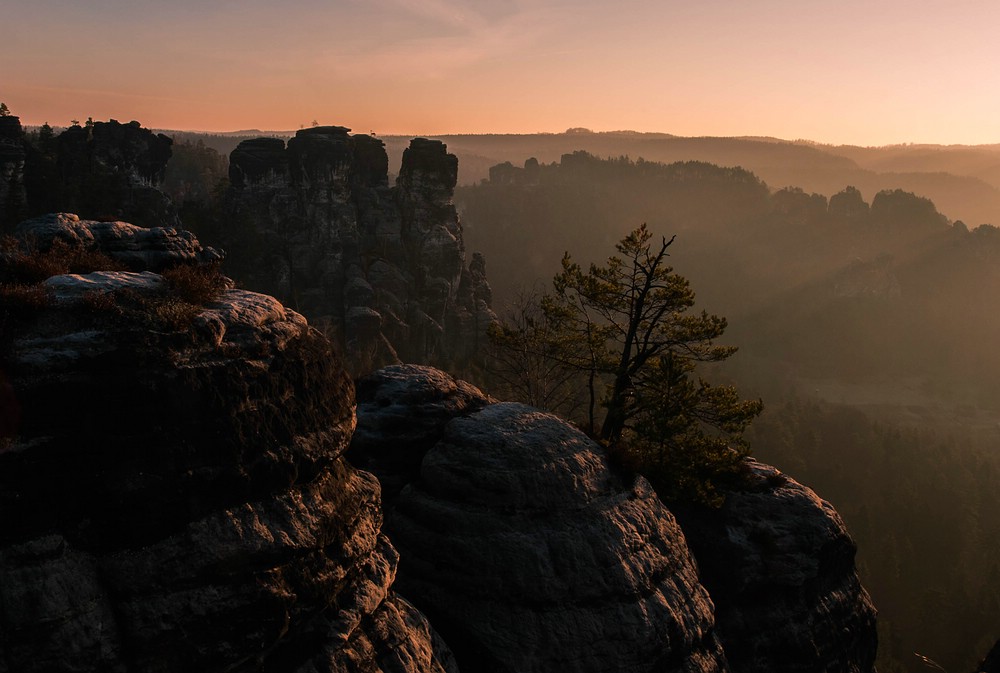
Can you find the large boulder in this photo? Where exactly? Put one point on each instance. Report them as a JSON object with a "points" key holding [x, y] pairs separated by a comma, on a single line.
{"points": [[402, 413], [530, 552]]}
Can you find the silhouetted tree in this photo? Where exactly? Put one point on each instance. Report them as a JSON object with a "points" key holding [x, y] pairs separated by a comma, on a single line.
{"points": [[624, 326]]}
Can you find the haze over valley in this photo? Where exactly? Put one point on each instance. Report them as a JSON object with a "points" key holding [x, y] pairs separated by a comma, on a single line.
{"points": [[449, 335]]}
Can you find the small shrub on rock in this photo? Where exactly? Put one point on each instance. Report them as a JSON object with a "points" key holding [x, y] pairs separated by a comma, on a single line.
{"points": [[197, 284]]}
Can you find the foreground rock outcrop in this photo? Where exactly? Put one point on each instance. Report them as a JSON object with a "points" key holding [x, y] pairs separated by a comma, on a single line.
{"points": [[173, 493], [526, 549], [779, 564], [137, 248], [317, 225], [561, 564]]}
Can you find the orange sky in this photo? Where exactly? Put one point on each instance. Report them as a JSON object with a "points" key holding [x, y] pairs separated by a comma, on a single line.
{"points": [[877, 72]]}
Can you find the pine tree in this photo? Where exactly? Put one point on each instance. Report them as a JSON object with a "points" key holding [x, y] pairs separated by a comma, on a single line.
{"points": [[626, 329]]}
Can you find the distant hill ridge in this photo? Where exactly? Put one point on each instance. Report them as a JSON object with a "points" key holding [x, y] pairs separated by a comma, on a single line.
{"points": [[962, 180]]}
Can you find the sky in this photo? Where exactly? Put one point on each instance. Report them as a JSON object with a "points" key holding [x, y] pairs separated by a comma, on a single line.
{"points": [[866, 73]]}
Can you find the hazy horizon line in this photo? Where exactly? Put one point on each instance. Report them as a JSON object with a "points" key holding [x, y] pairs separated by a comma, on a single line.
{"points": [[581, 131]]}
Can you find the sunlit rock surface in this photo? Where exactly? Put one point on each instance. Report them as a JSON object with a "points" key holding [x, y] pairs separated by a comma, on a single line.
{"points": [[174, 497], [991, 664], [318, 225], [779, 564], [138, 248], [523, 546]]}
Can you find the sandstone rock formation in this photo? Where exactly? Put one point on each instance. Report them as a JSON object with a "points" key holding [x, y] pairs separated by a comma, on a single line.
{"points": [[991, 664], [521, 543], [779, 564], [535, 499], [404, 410], [174, 496], [111, 171], [173, 492], [317, 225]]}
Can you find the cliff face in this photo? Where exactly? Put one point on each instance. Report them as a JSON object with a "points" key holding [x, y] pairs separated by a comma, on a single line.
{"points": [[553, 542], [173, 492], [318, 225]]}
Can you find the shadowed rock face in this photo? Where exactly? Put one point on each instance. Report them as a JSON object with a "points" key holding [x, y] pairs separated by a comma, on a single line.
{"points": [[779, 564], [105, 171], [318, 225], [520, 542], [173, 495]]}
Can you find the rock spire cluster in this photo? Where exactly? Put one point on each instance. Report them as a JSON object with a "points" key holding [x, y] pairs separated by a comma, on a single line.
{"points": [[317, 224]]}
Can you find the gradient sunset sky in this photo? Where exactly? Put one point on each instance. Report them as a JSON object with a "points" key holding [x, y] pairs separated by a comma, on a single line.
{"points": [[869, 73]]}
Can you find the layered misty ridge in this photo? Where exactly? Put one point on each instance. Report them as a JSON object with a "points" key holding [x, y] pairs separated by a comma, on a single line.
{"points": [[241, 539]]}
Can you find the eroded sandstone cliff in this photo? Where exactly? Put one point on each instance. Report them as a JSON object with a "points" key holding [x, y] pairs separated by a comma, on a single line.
{"points": [[13, 198], [318, 225]]}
